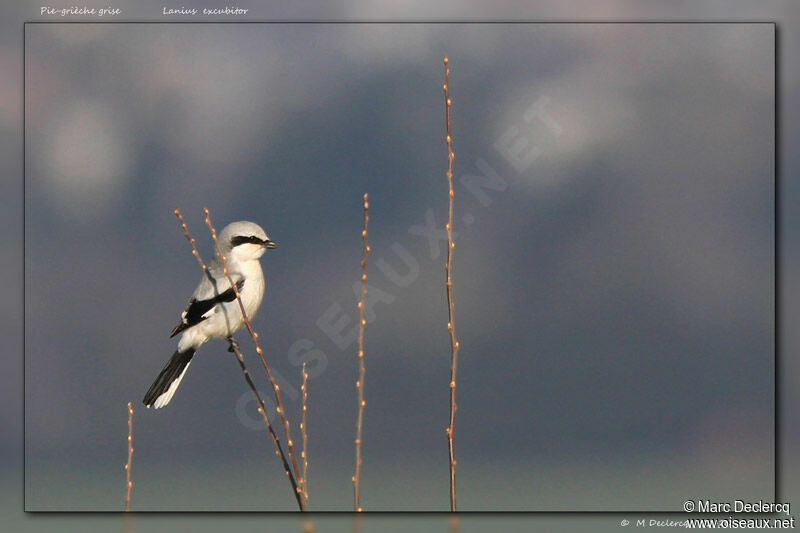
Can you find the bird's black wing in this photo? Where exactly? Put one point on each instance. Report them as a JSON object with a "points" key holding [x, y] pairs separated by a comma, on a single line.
{"points": [[198, 310]]}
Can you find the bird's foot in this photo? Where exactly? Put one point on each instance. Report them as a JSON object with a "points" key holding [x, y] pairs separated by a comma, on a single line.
{"points": [[233, 346]]}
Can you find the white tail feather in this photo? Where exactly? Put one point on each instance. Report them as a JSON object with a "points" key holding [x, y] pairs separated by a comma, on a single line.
{"points": [[166, 396]]}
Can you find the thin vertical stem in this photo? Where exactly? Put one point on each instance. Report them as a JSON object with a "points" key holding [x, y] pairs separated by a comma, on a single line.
{"points": [[304, 431], [451, 326], [453, 523], [276, 389], [128, 465], [360, 383]]}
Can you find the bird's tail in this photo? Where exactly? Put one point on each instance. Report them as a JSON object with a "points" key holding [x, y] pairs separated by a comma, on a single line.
{"points": [[165, 385]]}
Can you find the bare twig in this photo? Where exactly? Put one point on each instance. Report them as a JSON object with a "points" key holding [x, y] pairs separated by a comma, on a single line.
{"points": [[453, 523], [276, 389], [303, 430], [128, 483], [240, 360], [451, 326], [263, 412], [308, 526], [360, 383], [195, 253]]}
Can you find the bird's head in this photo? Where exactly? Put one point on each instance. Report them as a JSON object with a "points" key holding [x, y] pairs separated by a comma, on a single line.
{"points": [[243, 241]]}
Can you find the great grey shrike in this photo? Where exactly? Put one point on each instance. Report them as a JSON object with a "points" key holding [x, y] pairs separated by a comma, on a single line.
{"points": [[213, 310]]}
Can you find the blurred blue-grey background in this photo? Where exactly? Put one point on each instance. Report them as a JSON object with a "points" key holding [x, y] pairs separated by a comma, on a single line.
{"points": [[574, 476], [614, 268]]}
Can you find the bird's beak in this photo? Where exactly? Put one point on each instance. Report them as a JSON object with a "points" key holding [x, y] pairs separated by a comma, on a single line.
{"points": [[270, 245]]}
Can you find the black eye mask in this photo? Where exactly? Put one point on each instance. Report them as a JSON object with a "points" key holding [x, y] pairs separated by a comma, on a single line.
{"points": [[252, 239]]}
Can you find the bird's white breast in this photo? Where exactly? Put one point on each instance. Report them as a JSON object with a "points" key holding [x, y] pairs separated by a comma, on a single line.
{"points": [[253, 291]]}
